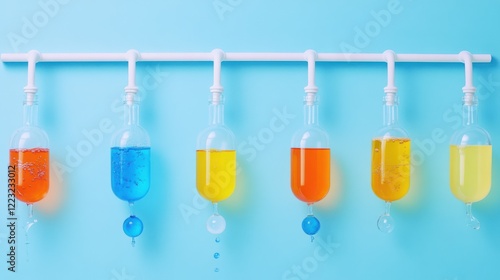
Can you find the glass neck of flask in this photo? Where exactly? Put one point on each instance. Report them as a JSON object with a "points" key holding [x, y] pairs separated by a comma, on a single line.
{"points": [[216, 112], [390, 110], [311, 110], [469, 114], [131, 111], [30, 113]]}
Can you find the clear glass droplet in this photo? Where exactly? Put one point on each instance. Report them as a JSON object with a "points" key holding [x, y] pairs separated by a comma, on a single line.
{"points": [[216, 224], [385, 223]]}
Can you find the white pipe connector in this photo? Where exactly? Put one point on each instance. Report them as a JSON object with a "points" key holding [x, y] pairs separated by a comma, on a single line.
{"points": [[132, 57], [390, 90], [390, 58], [131, 89], [469, 90], [30, 89], [216, 89], [311, 89]]}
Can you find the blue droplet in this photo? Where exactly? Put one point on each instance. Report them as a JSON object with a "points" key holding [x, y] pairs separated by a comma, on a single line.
{"points": [[310, 225], [216, 255], [217, 239], [216, 269], [133, 226]]}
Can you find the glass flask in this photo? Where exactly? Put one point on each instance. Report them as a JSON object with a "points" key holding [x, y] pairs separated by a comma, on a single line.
{"points": [[130, 163], [391, 161], [470, 160], [29, 159], [310, 163], [216, 162]]}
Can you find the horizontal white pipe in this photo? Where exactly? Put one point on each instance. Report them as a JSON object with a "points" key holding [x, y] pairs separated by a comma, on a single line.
{"points": [[329, 57]]}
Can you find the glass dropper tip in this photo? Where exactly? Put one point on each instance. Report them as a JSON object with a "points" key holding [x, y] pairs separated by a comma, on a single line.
{"points": [[471, 221], [216, 224], [385, 222], [310, 224], [29, 223]]}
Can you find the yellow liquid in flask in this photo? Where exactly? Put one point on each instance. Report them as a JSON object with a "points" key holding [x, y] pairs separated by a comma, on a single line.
{"points": [[470, 172], [391, 168], [215, 174]]}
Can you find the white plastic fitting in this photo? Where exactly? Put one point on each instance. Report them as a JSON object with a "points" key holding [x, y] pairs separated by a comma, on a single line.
{"points": [[311, 89], [469, 90], [131, 89], [390, 90], [216, 89], [30, 89]]}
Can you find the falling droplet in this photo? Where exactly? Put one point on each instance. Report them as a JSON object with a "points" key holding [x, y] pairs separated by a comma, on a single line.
{"points": [[217, 239], [216, 255], [216, 269]]}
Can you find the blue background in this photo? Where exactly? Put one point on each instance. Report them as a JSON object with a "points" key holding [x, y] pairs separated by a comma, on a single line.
{"points": [[79, 233]]}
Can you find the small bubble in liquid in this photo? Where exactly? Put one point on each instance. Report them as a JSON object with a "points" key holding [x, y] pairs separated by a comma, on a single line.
{"points": [[216, 269], [217, 239], [216, 255], [376, 150]]}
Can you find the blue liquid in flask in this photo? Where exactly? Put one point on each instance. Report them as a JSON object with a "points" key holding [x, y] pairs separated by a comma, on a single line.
{"points": [[130, 172]]}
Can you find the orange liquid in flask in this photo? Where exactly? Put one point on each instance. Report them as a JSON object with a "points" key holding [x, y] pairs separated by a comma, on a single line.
{"points": [[310, 173], [31, 174]]}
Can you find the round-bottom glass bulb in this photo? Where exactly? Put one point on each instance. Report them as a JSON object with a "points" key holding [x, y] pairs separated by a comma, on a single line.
{"points": [[385, 223], [132, 226], [310, 225], [216, 224]]}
